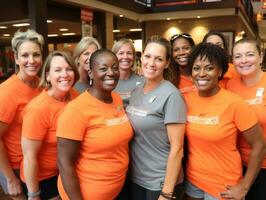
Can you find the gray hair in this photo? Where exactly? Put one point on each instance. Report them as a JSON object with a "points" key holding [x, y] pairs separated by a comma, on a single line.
{"points": [[29, 35]]}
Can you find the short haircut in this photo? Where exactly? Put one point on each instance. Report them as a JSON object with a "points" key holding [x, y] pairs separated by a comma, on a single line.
{"points": [[212, 53], [29, 35], [117, 46], [47, 65], [83, 45], [251, 41], [98, 53]]}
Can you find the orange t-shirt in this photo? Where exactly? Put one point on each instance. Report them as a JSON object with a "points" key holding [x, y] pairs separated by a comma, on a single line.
{"points": [[213, 124], [104, 132], [186, 85], [14, 96], [255, 96], [40, 123], [231, 73]]}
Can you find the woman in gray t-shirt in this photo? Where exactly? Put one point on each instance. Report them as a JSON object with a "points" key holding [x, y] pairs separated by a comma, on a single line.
{"points": [[158, 115], [128, 81]]}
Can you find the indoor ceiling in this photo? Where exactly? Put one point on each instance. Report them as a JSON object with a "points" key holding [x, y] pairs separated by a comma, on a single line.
{"points": [[7, 29], [259, 7], [55, 28]]}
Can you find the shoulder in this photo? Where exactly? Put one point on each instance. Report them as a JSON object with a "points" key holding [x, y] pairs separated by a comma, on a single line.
{"points": [[233, 82], [168, 88]]}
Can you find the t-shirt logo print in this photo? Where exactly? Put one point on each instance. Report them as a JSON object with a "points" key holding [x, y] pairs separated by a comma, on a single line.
{"points": [[214, 120]]}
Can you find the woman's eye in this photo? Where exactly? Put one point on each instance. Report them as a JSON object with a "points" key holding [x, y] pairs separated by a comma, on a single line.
{"points": [[209, 69], [195, 68], [103, 69], [24, 55], [236, 57], [250, 54]]}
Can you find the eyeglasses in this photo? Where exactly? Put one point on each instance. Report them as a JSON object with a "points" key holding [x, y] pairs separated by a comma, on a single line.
{"points": [[184, 35]]}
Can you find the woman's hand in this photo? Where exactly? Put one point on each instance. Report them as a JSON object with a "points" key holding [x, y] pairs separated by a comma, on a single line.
{"points": [[237, 192], [14, 187]]}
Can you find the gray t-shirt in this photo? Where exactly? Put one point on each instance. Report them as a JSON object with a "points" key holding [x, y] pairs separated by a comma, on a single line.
{"points": [[125, 87], [81, 87], [149, 114]]}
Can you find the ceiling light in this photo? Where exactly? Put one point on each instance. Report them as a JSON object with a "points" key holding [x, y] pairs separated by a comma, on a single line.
{"points": [[49, 21], [63, 29], [198, 16], [168, 18], [52, 35], [121, 15], [135, 29], [116, 31], [6, 35], [66, 34], [3, 27], [21, 24]]}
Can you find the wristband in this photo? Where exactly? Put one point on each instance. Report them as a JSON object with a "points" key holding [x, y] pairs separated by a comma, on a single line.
{"points": [[34, 194]]}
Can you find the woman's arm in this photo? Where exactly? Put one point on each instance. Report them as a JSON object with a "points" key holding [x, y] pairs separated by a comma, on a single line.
{"points": [[13, 183], [30, 149], [255, 138], [176, 138], [67, 153]]}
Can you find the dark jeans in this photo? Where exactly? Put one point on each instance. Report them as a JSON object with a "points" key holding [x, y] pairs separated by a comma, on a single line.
{"points": [[132, 191], [258, 189]]}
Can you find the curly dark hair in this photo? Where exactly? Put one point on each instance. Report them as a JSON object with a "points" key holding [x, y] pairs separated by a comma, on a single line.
{"points": [[212, 53]]}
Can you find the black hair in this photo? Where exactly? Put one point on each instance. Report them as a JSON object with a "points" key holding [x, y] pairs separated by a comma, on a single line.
{"points": [[186, 36], [98, 53], [211, 52], [219, 34]]}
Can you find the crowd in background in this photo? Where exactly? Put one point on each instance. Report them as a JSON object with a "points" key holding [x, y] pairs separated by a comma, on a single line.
{"points": [[189, 125]]}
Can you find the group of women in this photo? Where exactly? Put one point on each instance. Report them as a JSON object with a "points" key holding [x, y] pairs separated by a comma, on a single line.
{"points": [[90, 128]]}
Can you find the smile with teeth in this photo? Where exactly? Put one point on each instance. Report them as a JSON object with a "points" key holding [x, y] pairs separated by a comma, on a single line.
{"points": [[32, 68], [65, 81], [109, 81], [244, 67], [183, 59], [202, 82]]}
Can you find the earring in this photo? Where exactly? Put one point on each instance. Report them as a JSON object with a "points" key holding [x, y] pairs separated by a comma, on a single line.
{"points": [[48, 84], [90, 82]]}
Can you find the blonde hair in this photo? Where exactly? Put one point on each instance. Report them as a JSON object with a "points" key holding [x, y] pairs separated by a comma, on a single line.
{"points": [[47, 65], [84, 44], [29, 35]]}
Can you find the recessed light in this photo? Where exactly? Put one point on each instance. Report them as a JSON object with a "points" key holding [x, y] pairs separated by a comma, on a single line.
{"points": [[116, 31], [21, 24], [168, 18], [121, 15], [198, 16], [135, 29], [6, 35], [3, 27], [52, 35], [49, 21], [63, 29], [66, 34]]}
